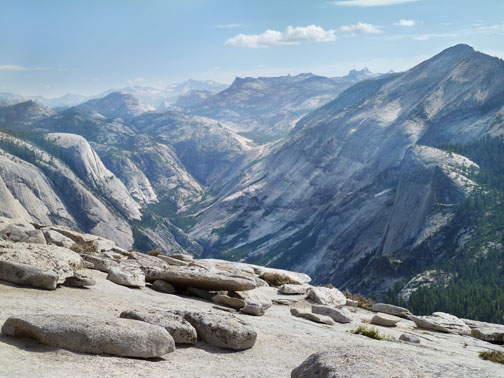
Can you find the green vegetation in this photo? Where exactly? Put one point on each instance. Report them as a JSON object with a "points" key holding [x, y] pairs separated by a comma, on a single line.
{"points": [[86, 248], [370, 332], [477, 265], [275, 279], [494, 356]]}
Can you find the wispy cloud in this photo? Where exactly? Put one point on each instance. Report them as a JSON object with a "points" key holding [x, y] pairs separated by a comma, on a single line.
{"points": [[291, 36], [426, 37], [300, 34], [360, 28], [15, 67], [490, 29], [229, 26], [368, 3], [405, 23]]}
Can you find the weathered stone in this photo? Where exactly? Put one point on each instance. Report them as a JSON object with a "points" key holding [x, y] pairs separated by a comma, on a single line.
{"points": [[493, 333], [228, 301], [101, 245], [253, 299], [202, 293], [151, 266], [62, 261], [339, 315], [385, 320], [172, 261], [79, 280], [179, 328], [122, 337], [285, 275], [303, 313], [182, 257], [391, 310], [440, 321], [55, 238], [351, 303], [289, 289], [284, 302], [77, 237], [126, 277], [99, 263], [163, 287], [361, 362], [21, 232], [203, 278], [327, 296], [29, 275], [221, 329], [409, 338], [254, 309]]}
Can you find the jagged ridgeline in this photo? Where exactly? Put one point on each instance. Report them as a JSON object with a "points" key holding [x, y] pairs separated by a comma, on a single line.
{"points": [[368, 182], [473, 246]]}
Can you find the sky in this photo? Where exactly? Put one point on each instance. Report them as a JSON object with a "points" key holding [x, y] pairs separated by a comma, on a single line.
{"points": [[53, 47]]}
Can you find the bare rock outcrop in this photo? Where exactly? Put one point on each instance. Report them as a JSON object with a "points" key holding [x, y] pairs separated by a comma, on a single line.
{"points": [[442, 322]]}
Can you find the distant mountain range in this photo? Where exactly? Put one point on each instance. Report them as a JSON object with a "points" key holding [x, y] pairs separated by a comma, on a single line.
{"points": [[362, 191]]}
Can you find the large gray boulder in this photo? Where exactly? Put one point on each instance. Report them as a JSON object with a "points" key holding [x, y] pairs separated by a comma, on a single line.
{"points": [[126, 276], [55, 238], [391, 310], [78, 333], [385, 320], [308, 315], [493, 333], [327, 296], [204, 278], [179, 328], [100, 263], [442, 322], [340, 315], [43, 259], [228, 301], [163, 287], [24, 274], [290, 289], [221, 329], [79, 280]]}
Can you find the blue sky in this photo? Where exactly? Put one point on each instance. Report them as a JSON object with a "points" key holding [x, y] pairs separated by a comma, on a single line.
{"points": [[50, 47]]}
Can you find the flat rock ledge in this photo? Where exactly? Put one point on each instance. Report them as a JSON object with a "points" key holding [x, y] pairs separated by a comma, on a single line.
{"points": [[442, 322], [391, 310], [308, 315], [84, 334], [204, 278], [339, 315]]}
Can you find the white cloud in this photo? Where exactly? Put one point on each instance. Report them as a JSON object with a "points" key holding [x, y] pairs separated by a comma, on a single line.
{"points": [[228, 26], [360, 28], [291, 36], [138, 80], [405, 23], [368, 3], [491, 29], [13, 67]]}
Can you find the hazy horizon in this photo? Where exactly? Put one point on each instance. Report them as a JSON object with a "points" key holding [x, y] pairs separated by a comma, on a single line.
{"points": [[52, 48]]}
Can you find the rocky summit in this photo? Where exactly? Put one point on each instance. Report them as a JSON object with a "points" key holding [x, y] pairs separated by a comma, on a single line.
{"points": [[52, 326]]}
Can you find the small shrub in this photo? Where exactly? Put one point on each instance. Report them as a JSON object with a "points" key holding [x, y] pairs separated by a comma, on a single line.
{"points": [[86, 248], [154, 253], [494, 356], [275, 279], [371, 332], [362, 301]]}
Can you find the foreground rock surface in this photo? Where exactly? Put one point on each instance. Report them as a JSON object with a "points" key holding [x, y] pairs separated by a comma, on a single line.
{"points": [[308, 315], [121, 337], [339, 315], [341, 362]]}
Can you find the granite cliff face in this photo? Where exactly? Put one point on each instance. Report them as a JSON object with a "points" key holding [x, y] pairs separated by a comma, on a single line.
{"points": [[350, 195], [360, 182]]}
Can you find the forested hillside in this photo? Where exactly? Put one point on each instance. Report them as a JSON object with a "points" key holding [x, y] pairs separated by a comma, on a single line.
{"points": [[474, 246]]}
